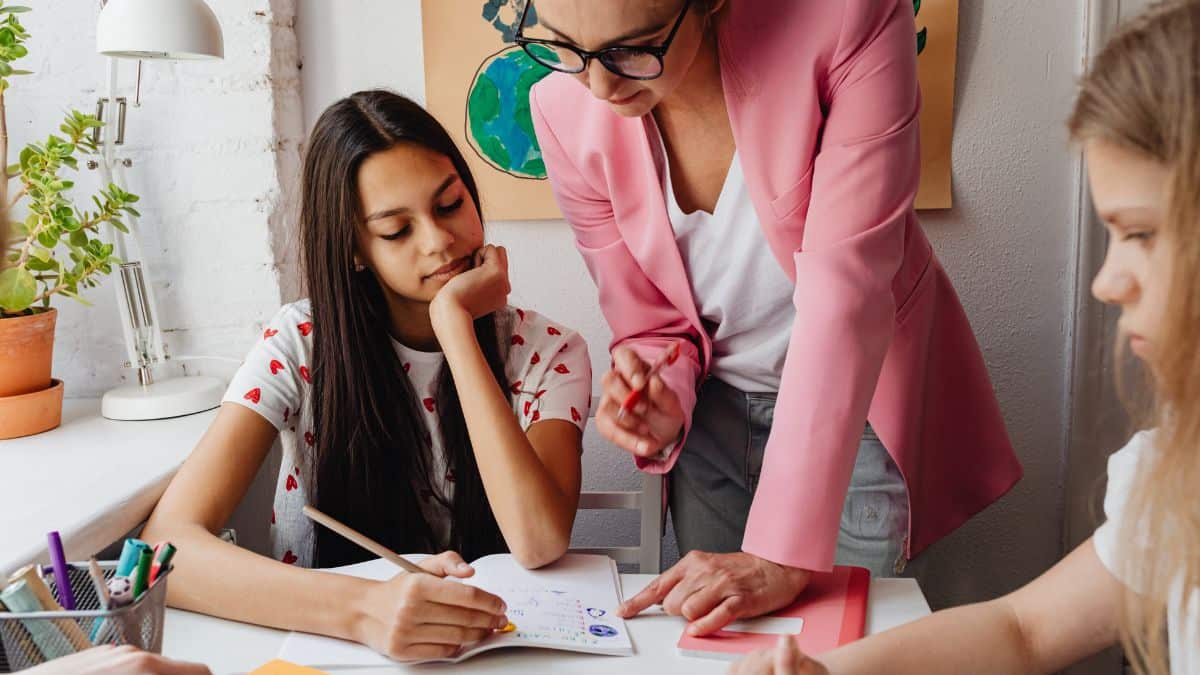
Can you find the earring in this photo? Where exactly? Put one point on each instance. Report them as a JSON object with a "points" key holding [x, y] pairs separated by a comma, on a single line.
{"points": [[359, 267]]}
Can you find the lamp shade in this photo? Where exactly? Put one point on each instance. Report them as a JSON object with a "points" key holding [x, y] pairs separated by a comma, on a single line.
{"points": [[159, 29]]}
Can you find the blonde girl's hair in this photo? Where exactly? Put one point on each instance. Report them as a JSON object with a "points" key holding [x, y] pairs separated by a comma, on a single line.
{"points": [[1143, 94]]}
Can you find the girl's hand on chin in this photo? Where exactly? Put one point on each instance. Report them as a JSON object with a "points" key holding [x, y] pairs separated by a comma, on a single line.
{"points": [[477, 292]]}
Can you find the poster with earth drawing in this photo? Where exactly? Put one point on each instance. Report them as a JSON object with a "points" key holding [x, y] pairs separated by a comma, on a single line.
{"points": [[477, 82]]}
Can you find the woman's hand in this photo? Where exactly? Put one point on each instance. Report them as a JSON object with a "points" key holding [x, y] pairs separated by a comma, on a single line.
{"points": [[418, 616], [479, 291], [653, 424], [712, 590], [785, 659], [124, 660]]}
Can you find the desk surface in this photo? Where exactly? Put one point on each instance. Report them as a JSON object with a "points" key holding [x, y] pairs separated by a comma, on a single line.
{"points": [[92, 479], [231, 647]]}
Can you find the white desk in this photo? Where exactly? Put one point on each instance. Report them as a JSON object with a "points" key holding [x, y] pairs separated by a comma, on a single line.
{"points": [[231, 647], [91, 479]]}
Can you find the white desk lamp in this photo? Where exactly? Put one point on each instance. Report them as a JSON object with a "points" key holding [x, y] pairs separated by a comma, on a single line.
{"points": [[166, 30]]}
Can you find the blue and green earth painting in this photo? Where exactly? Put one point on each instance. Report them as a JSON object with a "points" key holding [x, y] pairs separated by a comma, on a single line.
{"points": [[499, 125]]}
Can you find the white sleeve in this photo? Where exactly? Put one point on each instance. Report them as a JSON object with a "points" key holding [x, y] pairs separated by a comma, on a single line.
{"points": [[269, 382], [1122, 474]]}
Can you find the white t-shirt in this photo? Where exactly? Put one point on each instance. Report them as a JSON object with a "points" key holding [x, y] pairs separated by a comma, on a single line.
{"points": [[549, 375], [1183, 616], [743, 297]]}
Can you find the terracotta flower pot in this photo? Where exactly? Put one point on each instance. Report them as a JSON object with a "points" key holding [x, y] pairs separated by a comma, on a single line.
{"points": [[29, 404]]}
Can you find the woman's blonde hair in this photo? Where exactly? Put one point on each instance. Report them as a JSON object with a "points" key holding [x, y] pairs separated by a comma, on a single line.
{"points": [[1143, 94]]}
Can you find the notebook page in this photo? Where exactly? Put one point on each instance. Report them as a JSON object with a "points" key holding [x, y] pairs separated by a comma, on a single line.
{"points": [[569, 605]]}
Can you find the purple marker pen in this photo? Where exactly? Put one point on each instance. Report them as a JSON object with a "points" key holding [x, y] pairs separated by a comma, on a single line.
{"points": [[62, 577]]}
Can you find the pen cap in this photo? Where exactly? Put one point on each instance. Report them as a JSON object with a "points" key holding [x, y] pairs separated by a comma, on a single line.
{"points": [[129, 556], [163, 553], [141, 573]]}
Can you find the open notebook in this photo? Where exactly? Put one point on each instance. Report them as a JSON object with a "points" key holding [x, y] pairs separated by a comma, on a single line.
{"points": [[570, 605]]}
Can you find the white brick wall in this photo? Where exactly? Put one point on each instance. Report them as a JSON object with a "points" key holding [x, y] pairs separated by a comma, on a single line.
{"points": [[215, 152]]}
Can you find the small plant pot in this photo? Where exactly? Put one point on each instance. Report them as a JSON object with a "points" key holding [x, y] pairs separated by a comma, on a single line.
{"points": [[26, 350], [29, 414]]}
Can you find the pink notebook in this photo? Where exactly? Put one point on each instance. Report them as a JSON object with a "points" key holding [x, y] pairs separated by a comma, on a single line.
{"points": [[831, 612]]}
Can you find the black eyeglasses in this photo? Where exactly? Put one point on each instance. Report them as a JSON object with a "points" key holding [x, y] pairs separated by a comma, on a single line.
{"points": [[636, 62]]}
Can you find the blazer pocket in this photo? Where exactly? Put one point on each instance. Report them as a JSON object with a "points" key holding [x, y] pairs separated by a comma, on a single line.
{"points": [[793, 198]]}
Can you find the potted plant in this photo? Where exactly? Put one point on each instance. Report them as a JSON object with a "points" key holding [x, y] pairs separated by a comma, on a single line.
{"points": [[53, 249]]}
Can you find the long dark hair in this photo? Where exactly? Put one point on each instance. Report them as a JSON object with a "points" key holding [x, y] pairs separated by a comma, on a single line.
{"points": [[372, 450]]}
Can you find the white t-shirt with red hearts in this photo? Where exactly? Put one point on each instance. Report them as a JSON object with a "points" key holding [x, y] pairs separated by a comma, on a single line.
{"points": [[549, 377]]}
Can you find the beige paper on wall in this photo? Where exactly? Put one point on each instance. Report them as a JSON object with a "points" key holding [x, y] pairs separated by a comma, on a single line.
{"points": [[477, 82], [937, 21]]}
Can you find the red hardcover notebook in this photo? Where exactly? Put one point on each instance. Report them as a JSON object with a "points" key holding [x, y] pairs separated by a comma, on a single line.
{"points": [[831, 612]]}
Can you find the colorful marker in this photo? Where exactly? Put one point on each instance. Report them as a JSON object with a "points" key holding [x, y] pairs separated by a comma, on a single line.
{"points": [[62, 578], [163, 553], [141, 574], [129, 556]]}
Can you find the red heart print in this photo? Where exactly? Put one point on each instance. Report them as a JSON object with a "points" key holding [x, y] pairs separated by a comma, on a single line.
{"points": [[291, 483], [539, 393], [429, 404], [276, 366], [518, 340], [562, 369], [254, 395], [553, 331], [305, 328], [296, 469], [537, 415], [521, 313], [309, 439], [272, 516], [449, 475], [270, 333], [289, 558], [305, 374], [564, 348], [286, 412], [516, 387], [535, 360], [575, 414], [407, 367], [527, 405]]}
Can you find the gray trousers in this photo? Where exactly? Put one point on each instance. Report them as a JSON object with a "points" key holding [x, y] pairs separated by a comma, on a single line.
{"points": [[713, 483]]}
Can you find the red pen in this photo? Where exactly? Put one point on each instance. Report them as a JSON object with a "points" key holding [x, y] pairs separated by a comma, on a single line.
{"points": [[669, 356]]}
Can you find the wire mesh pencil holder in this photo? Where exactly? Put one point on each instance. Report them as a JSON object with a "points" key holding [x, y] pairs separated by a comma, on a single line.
{"points": [[31, 638]]}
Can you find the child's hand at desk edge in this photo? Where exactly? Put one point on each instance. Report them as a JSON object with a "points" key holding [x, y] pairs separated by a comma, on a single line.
{"points": [[418, 616], [124, 660]]}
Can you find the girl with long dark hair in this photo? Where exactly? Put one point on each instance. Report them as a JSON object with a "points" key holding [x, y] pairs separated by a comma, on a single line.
{"points": [[412, 404]]}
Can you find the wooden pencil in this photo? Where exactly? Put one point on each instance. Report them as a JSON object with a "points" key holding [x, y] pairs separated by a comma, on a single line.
{"points": [[364, 541]]}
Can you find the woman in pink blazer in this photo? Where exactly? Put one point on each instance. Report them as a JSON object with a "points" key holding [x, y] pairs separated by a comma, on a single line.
{"points": [[739, 176]]}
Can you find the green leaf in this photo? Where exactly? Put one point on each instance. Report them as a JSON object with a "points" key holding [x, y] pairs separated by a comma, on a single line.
{"points": [[18, 289], [78, 238], [14, 9], [47, 239], [38, 266], [40, 253], [119, 225]]}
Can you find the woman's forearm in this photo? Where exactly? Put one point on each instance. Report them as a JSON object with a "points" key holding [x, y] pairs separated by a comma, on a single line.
{"points": [[534, 512], [214, 577], [979, 639]]}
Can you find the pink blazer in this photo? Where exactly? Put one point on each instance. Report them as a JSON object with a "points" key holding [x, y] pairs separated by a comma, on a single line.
{"points": [[823, 98]]}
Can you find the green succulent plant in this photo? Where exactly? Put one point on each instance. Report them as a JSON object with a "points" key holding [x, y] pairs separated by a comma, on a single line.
{"points": [[56, 249]]}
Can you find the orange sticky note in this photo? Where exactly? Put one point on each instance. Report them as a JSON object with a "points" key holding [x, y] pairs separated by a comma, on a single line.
{"points": [[281, 667]]}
